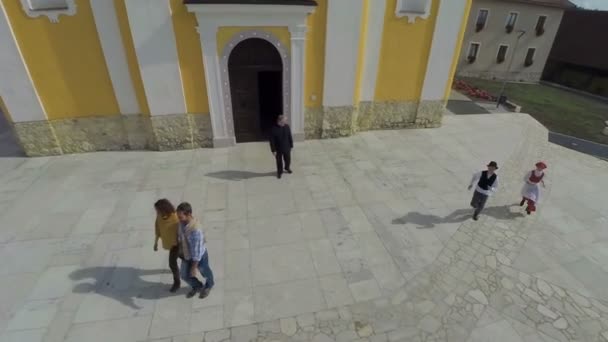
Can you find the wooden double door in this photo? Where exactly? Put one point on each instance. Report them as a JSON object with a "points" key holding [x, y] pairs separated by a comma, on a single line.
{"points": [[256, 77]]}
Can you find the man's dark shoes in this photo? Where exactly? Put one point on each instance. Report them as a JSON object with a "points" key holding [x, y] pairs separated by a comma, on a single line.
{"points": [[204, 293], [475, 217], [278, 175], [174, 288], [288, 171], [191, 293]]}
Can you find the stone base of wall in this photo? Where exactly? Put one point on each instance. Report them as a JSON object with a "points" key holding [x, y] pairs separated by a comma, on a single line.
{"points": [[386, 115], [37, 138], [313, 123], [429, 114], [114, 133], [334, 122], [338, 122], [187, 131]]}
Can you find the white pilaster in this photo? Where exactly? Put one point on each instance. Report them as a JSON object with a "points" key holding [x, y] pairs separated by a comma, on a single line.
{"points": [[16, 88], [211, 61], [104, 13], [373, 44], [445, 40], [156, 51], [341, 51], [298, 41]]}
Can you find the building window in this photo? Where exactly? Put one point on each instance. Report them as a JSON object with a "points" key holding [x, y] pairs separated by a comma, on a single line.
{"points": [[48, 5], [540, 25], [473, 52], [511, 21], [502, 53], [413, 9], [530, 57], [50, 8], [482, 18]]}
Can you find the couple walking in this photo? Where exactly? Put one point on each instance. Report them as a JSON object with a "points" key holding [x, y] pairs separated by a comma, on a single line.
{"points": [[182, 235], [486, 183]]}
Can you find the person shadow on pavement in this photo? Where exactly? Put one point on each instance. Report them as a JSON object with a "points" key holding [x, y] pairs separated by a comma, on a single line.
{"points": [[234, 175], [427, 221], [123, 284]]}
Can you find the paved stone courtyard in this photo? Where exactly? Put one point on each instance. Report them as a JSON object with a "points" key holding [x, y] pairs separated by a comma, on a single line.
{"points": [[369, 240]]}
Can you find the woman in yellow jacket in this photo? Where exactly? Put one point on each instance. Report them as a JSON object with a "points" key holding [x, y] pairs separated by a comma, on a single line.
{"points": [[166, 229]]}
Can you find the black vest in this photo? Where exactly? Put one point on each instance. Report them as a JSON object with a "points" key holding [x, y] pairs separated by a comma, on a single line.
{"points": [[485, 182]]}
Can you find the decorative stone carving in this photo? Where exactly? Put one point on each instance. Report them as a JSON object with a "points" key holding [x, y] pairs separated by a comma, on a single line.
{"points": [[49, 8], [413, 9]]}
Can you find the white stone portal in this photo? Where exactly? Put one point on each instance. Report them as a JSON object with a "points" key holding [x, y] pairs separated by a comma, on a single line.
{"points": [[225, 78], [213, 16]]}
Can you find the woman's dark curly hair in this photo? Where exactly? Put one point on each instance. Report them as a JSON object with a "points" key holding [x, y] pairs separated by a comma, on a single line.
{"points": [[164, 207]]}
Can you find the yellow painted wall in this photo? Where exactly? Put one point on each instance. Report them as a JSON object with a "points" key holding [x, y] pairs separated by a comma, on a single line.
{"points": [[404, 55], [127, 40], [315, 56], [362, 43], [225, 34], [463, 26], [65, 61], [190, 57]]}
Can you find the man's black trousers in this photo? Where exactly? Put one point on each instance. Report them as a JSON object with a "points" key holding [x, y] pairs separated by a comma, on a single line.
{"points": [[281, 157]]}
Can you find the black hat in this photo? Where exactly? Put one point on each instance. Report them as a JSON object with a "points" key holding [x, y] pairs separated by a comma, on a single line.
{"points": [[493, 164]]}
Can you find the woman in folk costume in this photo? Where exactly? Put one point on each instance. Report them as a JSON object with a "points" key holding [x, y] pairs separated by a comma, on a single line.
{"points": [[531, 191]]}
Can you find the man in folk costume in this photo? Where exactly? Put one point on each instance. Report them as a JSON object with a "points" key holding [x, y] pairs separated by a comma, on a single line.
{"points": [[486, 184], [531, 191], [194, 250]]}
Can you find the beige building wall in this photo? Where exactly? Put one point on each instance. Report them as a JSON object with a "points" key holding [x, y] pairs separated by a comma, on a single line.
{"points": [[494, 34]]}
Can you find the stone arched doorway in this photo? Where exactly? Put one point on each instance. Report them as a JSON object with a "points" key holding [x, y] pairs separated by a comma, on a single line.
{"points": [[255, 69]]}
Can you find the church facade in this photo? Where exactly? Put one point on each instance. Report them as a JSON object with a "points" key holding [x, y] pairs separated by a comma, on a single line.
{"points": [[98, 75]]}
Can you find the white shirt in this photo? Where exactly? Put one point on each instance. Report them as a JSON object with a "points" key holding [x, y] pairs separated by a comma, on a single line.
{"points": [[490, 191]]}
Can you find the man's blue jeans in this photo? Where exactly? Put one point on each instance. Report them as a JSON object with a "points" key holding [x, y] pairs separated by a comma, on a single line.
{"points": [[203, 267]]}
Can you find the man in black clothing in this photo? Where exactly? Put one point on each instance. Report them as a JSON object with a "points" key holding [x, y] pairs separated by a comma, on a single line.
{"points": [[281, 143], [486, 183]]}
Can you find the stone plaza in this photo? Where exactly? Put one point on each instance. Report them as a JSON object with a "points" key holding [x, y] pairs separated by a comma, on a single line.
{"points": [[371, 239]]}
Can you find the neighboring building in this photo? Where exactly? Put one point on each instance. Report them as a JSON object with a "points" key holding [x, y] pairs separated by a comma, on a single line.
{"points": [[579, 58], [84, 75], [492, 34]]}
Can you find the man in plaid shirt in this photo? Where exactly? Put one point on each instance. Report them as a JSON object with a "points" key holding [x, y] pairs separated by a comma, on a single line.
{"points": [[192, 243]]}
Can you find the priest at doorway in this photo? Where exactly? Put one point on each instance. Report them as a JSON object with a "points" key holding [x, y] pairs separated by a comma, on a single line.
{"points": [[281, 143]]}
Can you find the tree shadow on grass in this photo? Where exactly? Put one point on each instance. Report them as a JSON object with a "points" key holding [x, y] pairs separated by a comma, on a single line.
{"points": [[425, 221]]}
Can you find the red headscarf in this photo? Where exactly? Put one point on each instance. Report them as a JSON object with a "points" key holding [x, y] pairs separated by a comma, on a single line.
{"points": [[541, 165]]}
